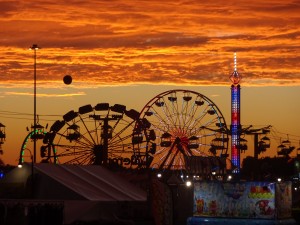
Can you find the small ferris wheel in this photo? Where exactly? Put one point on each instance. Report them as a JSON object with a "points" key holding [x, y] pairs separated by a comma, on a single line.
{"points": [[99, 135]]}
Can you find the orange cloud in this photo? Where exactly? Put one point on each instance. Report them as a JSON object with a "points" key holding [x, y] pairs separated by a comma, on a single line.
{"points": [[124, 42]]}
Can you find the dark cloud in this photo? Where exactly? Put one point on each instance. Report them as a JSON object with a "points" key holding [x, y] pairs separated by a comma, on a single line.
{"points": [[8, 7]]}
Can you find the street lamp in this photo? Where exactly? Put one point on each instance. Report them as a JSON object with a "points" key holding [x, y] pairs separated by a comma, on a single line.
{"points": [[34, 47]]}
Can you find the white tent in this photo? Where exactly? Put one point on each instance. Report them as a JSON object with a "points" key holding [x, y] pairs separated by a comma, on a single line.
{"points": [[91, 182], [89, 192]]}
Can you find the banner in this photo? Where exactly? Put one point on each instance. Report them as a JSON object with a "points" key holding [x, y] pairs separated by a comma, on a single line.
{"points": [[242, 199]]}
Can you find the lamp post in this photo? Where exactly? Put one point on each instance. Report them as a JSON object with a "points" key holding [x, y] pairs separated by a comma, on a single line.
{"points": [[34, 47]]}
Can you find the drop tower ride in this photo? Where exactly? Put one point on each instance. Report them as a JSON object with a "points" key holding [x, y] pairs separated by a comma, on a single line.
{"points": [[235, 117]]}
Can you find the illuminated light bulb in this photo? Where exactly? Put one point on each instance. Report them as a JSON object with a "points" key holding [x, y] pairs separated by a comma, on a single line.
{"points": [[188, 183], [235, 62]]}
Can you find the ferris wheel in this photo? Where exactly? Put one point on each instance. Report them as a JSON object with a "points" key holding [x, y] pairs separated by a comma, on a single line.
{"points": [[99, 135], [180, 124], [172, 126]]}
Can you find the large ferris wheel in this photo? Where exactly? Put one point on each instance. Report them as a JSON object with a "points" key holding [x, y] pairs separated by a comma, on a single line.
{"points": [[171, 127], [183, 124]]}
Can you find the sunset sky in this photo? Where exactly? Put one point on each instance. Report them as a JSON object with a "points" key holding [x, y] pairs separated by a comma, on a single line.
{"points": [[129, 51]]}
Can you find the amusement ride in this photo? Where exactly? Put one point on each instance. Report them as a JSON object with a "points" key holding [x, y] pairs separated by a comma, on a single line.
{"points": [[177, 130]]}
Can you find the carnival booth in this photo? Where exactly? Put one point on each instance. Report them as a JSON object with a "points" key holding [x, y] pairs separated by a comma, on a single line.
{"points": [[242, 203]]}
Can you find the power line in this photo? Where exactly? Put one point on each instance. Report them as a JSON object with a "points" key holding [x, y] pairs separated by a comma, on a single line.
{"points": [[275, 134], [23, 114], [23, 118]]}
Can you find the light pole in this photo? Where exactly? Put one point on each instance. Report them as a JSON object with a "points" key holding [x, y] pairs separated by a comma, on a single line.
{"points": [[34, 47]]}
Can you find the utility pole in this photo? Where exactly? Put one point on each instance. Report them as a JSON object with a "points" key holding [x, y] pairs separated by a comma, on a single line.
{"points": [[34, 47]]}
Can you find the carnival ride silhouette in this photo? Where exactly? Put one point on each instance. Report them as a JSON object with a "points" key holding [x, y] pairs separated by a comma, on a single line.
{"points": [[171, 127]]}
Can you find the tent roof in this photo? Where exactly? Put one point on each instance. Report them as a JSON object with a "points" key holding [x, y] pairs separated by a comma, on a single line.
{"points": [[93, 182]]}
